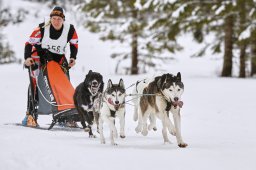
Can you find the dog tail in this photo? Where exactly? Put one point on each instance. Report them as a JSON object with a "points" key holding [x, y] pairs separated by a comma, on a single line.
{"points": [[140, 85]]}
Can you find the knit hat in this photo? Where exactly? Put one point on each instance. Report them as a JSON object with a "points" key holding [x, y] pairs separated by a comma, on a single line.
{"points": [[58, 11]]}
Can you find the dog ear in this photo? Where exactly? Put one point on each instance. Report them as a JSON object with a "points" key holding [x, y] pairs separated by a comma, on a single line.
{"points": [[88, 75], [178, 76], [161, 81], [109, 84], [121, 83], [158, 83]]}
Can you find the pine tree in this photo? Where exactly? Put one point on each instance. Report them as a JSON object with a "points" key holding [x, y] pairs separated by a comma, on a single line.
{"points": [[7, 55], [226, 19], [127, 22], [5, 52], [228, 47]]}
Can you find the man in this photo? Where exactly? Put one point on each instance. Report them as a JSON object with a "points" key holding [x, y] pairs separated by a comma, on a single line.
{"points": [[48, 42]]}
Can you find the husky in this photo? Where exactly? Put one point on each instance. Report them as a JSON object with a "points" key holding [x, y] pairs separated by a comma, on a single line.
{"points": [[113, 105], [86, 94], [156, 99]]}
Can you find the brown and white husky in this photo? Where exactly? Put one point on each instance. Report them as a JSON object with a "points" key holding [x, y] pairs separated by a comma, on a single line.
{"points": [[157, 99]]}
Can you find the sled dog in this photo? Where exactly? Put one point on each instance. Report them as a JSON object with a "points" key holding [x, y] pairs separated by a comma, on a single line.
{"points": [[84, 98], [156, 99], [113, 106]]}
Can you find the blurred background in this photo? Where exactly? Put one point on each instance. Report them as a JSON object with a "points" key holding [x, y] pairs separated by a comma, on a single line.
{"points": [[144, 35]]}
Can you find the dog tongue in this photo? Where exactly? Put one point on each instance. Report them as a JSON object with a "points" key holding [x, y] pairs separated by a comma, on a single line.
{"points": [[111, 102], [178, 103]]}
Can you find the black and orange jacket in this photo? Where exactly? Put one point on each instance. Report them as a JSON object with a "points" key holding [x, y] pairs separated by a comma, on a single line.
{"points": [[34, 43]]}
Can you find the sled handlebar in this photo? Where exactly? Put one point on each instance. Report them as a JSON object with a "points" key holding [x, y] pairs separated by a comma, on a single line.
{"points": [[34, 66]]}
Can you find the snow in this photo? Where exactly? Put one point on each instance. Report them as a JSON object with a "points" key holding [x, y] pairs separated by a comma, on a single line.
{"points": [[246, 33], [218, 116]]}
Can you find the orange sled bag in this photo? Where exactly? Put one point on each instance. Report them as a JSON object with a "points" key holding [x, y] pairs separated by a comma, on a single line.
{"points": [[55, 92]]}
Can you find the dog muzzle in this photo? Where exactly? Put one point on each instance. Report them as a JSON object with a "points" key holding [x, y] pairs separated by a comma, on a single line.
{"points": [[94, 88], [116, 106]]}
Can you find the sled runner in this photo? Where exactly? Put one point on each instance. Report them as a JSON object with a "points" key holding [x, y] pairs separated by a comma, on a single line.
{"points": [[50, 92], [55, 128]]}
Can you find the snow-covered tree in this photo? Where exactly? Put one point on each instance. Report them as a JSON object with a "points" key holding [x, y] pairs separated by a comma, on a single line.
{"points": [[129, 22], [231, 21], [7, 17], [6, 55]]}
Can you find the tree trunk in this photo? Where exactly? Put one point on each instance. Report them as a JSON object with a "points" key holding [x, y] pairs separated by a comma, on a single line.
{"points": [[253, 54], [243, 43], [134, 66], [242, 60], [227, 64], [253, 64]]}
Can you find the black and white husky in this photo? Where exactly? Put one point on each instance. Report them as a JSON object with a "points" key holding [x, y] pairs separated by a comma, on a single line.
{"points": [[86, 94], [113, 105], [157, 98]]}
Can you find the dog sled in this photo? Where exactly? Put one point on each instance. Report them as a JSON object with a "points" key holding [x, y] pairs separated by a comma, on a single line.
{"points": [[50, 93]]}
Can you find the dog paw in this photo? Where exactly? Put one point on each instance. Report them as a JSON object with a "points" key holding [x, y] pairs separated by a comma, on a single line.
{"points": [[122, 136], [92, 136], [151, 126], [167, 142], [144, 132], [87, 129], [182, 145], [138, 129], [114, 144]]}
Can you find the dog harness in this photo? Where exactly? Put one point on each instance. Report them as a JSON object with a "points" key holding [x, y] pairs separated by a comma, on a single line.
{"points": [[168, 106], [113, 113]]}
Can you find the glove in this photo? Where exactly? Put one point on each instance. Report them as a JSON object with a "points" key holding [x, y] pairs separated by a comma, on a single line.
{"points": [[72, 62], [29, 61]]}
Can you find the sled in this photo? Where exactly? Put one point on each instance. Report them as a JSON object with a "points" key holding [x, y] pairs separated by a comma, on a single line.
{"points": [[50, 92]]}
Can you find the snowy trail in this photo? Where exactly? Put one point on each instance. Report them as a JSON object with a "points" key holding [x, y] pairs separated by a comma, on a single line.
{"points": [[218, 116], [218, 123]]}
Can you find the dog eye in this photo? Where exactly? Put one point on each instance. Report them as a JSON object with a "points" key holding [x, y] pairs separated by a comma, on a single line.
{"points": [[113, 95], [170, 89], [120, 94], [178, 89]]}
